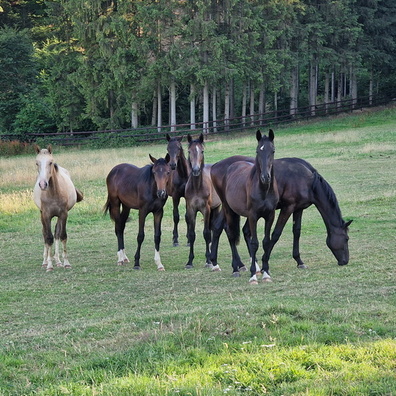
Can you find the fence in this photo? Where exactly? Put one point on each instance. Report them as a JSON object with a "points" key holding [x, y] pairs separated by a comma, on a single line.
{"points": [[152, 134]]}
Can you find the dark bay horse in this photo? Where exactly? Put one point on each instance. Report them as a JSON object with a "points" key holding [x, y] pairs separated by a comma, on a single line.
{"points": [[178, 179], [249, 190], [54, 194], [300, 186], [143, 189], [201, 197]]}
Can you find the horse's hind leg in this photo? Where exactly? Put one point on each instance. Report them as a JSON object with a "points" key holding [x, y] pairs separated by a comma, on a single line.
{"points": [[176, 219], [297, 218], [61, 236], [120, 218]]}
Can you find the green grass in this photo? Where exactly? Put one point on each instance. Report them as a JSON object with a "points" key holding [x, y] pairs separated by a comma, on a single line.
{"points": [[100, 329]]}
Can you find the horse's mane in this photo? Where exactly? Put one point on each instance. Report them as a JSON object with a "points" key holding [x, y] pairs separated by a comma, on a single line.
{"points": [[183, 168], [321, 186], [146, 173]]}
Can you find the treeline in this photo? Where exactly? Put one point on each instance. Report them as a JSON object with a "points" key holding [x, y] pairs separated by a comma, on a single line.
{"points": [[72, 65]]}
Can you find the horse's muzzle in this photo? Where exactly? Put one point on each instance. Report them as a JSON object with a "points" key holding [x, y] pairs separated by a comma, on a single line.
{"points": [[43, 185], [196, 171], [173, 165], [161, 194], [265, 178]]}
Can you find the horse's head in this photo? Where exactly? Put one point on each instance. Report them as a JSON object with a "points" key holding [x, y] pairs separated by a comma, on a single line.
{"points": [[174, 149], [196, 154], [265, 155], [337, 241], [45, 166], [161, 172]]}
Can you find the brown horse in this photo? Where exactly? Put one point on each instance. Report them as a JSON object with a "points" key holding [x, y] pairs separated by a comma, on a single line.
{"points": [[143, 189], [54, 194], [249, 190], [300, 186], [201, 197], [178, 179]]}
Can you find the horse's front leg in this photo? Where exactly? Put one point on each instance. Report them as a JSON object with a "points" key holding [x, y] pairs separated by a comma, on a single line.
{"points": [[140, 237], [157, 239], [216, 226], [48, 241], [191, 215], [253, 247], [176, 219], [297, 218], [207, 236], [267, 246]]}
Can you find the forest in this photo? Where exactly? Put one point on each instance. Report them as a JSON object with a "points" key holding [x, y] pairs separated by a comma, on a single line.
{"points": [[79, 65]]}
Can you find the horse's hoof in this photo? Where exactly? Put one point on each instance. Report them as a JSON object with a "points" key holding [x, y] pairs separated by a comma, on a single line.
{"points": [[120, 263], [267, 280], [59, 264], [67, 266], [189, 266], [161, 269], [136, 267], [236, 274], [175, 244], [50, 269], [242, 269], [209, 265], [216, 268], [302, 266], [253, 282]]}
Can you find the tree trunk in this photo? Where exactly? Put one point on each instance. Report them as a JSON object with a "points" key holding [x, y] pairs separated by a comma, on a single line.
{"points": [[227, 107], [205, 120], [371, 88], [134, 114], [192, 106], [251, 104], [159, 107], [244, 100], [154, 113], [312, 87], [353, 84], [326, 95], [262, 101], [173, 105], [214, 109], [294, 92]]}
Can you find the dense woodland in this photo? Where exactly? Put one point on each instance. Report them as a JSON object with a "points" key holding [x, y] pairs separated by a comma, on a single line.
{"points": [[72, 65]]}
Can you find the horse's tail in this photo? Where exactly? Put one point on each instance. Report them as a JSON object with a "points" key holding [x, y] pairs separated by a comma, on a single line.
{"points": [[80, 195], [107, 206]]}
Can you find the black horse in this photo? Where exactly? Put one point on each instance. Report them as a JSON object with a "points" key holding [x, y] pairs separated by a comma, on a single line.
{"points": [[300, 186]]}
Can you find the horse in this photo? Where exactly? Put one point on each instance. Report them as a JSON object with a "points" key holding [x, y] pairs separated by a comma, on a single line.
{"points": [[201, 197], [178, 179], [143, 189], [54, 194], [300, 185], [250, 190]]}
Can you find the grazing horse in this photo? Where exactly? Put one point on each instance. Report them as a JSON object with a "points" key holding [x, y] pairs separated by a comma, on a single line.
{"points": [[201, 197], [249, 190], [54, 194], [300, 186], [143, 189], [178, 179]]}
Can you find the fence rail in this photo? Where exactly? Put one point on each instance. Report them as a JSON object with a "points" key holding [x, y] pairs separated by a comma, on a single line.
{"points": [[152, 134]]}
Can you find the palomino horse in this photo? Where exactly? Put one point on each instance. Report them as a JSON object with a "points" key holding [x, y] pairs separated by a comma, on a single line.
{"points": [[54, 194], [201, 197], [178, 179], [249, 190], [300, 186], [143, 189]]}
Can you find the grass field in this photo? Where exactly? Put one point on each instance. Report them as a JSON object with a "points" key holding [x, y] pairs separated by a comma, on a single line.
{"points": [[101, 329]]}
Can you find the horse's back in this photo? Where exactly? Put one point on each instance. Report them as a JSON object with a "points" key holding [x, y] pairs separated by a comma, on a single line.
{"points": [[295, 178]]}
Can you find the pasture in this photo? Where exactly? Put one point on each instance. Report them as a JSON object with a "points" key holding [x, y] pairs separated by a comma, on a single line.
{"points": [[103, 329]]}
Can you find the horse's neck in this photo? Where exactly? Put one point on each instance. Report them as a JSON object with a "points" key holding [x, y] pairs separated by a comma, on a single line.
{"points": [[183, 167]]}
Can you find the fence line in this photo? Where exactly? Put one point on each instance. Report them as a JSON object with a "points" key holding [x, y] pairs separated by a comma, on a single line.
{"points": [[155, 133]]}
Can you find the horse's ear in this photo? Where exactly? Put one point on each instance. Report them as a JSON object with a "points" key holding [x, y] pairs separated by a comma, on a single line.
{"points": [[167, 157], [152, 158], [258, 135], [49, 148], [271, 135], [201, 138], [189, 138], [347, 224], [37, 148], [168, 137]]}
